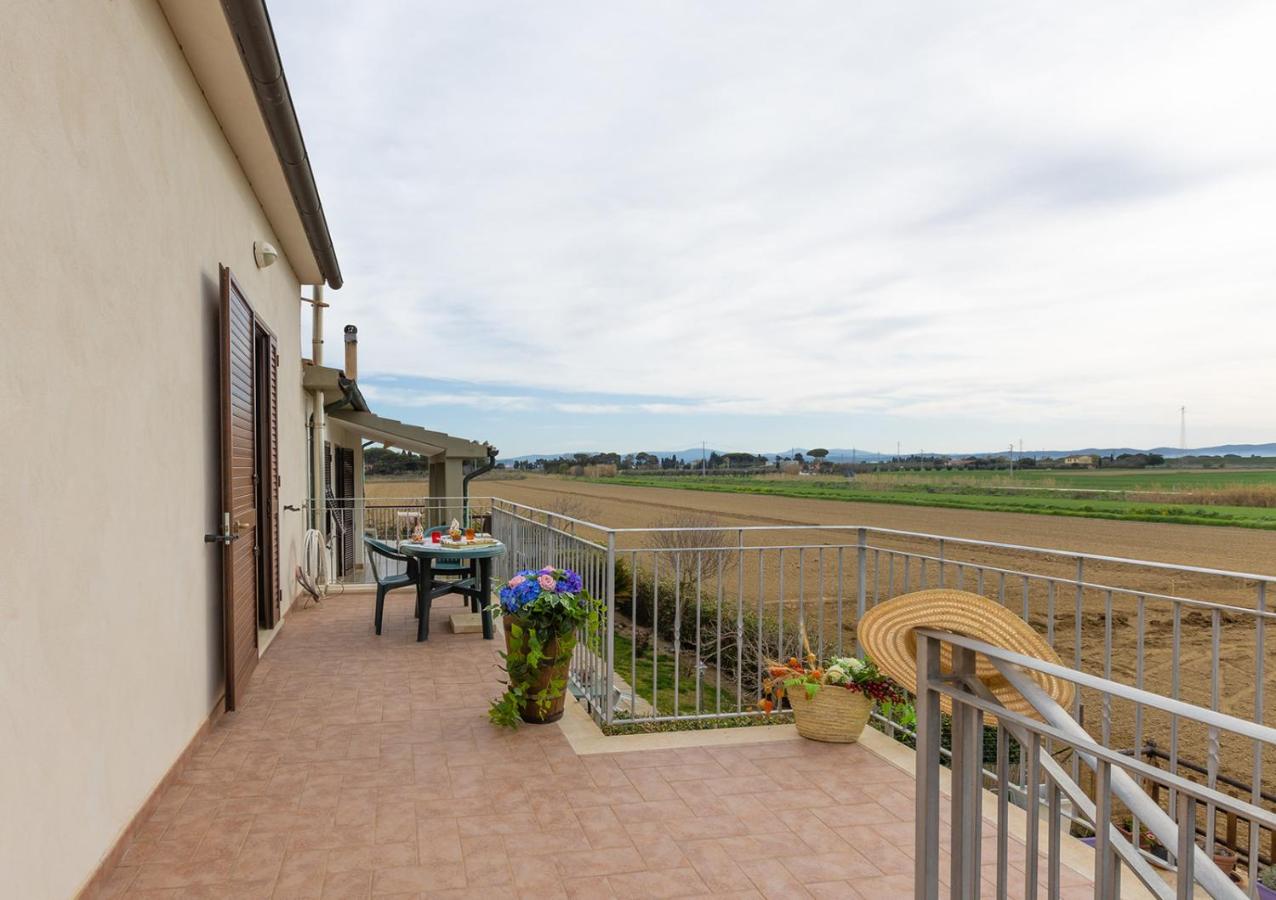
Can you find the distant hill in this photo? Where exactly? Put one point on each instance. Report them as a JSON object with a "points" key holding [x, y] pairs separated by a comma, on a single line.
{"points": [[846, 454], [682, 455], [1167, 452]]}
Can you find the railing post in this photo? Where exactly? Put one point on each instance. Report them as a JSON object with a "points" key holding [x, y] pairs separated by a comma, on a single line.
{"points": [[609, 579], [926, 811], [967, 781], [1105, 860], [1185, 857], [861, 583]]}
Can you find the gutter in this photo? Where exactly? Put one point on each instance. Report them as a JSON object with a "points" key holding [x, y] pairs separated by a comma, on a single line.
{"points": [[351, 396], [465, 482], [250, 25]]}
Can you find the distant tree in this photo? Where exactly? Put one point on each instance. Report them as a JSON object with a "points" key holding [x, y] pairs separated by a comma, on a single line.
{"points": [[383, 462], [1156, 459], [819, 453]]}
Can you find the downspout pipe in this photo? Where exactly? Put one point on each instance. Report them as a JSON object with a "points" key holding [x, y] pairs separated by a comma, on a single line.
{"points": [[316, 326], [465, 482], [317, 427]]}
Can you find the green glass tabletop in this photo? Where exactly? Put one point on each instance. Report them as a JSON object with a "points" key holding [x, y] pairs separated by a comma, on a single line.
{"points": [[430, 550]]}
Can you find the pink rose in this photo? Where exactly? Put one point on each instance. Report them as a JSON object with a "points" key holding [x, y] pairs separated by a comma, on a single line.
{"points": [[516, 580], [547, 582], [548, 570]]}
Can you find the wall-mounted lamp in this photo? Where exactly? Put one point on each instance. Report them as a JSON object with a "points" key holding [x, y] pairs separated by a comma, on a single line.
{"points": [[265, 254]]}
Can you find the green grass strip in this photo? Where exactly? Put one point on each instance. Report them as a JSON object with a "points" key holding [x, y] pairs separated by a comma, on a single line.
{"points": [[1117, 510]]}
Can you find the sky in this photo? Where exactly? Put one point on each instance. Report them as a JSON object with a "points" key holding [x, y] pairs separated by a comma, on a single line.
{"points": [[574, 225]]}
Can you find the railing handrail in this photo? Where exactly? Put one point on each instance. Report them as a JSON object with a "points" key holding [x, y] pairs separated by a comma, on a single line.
{"points": [[1127, 592], [365, 497], [1179, 708], [558, 531], [948, 539], [560, 516], [1203, 793], [998, 545]]}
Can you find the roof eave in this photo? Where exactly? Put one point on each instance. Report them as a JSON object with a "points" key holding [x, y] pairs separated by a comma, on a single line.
{"points": [[230, 47]]}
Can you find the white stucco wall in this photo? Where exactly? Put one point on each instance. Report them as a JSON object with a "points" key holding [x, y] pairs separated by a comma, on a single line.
{"points": [[118, 198]]}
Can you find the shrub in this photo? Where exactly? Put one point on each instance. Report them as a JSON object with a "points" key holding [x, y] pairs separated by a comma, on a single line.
{"points": [[669, 610]]}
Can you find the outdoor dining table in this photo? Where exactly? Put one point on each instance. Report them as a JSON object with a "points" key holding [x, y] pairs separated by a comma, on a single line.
{"points": [[476, 585]]}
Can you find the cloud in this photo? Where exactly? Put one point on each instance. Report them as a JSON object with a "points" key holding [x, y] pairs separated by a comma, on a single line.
{"points": [[374, 391], [974, 216]]}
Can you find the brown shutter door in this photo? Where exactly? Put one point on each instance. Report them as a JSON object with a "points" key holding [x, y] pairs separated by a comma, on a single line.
{"points": [[239, 495], [347, 516]]}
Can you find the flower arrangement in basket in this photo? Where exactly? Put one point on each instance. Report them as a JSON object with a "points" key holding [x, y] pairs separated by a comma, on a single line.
{"points": [[830, 702], [541, 611]]}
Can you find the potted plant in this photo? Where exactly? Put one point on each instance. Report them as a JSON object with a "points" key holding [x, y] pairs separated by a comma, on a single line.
{"points": [[541, 612], [1267, 882], [1147, 840], [830, 702], [1224, 858]]}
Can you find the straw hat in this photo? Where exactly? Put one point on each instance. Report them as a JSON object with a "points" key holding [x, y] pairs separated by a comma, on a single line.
{"points": [[886, 635]]}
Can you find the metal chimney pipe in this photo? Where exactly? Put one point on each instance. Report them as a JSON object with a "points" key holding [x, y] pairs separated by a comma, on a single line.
{"points": [[352, 352], [316, 326]]}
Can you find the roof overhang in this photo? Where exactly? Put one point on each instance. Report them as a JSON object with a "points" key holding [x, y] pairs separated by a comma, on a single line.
{"points": [[231, 50], [338, 390], [432, 444]]}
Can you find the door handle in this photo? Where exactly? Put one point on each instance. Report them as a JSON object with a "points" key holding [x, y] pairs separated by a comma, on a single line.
{"points": [[226, 535]]}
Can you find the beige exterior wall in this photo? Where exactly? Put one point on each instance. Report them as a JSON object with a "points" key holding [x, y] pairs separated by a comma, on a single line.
{"points": [[120, 198]]}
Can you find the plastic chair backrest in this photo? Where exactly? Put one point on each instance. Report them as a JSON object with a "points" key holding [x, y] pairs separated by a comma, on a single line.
{"points": [[380, 548]]}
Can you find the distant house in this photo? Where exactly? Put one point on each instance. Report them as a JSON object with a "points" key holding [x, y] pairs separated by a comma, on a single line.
{"points": [[1083, 461]]}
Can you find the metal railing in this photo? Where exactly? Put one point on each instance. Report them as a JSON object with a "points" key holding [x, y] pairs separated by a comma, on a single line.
{"points": [[1121, 783], [536, 538], [693, 614]]}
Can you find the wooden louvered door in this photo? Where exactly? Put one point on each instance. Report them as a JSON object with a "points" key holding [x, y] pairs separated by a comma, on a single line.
{"points": [[345, 477], [240, 468]]}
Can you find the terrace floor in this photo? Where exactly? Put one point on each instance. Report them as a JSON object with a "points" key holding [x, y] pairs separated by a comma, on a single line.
{"points": [[365, 766]]}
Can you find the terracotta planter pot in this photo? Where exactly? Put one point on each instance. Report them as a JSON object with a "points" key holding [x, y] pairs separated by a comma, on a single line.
{"points": [[1225, 859], [546, 673], [834, 714]]}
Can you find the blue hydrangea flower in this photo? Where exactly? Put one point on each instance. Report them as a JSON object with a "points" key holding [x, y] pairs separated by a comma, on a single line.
{"points": [[525, 588]]}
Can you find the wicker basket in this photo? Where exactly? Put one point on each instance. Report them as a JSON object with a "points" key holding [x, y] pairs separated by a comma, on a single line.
{"points": [[834, 714]]}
